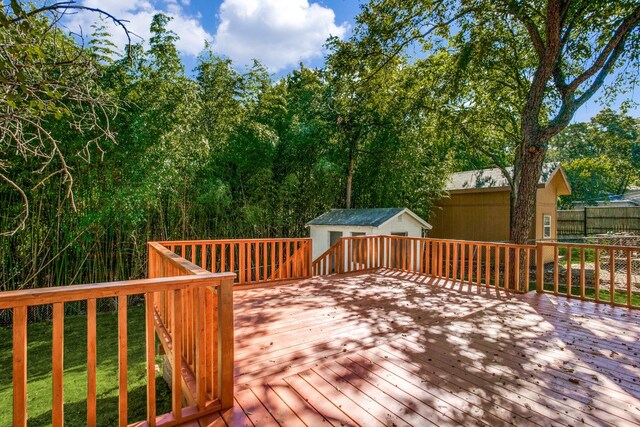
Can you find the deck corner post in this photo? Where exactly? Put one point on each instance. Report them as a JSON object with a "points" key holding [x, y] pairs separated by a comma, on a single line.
{"points": [[539, 267], [225, 343], [309, 258]]}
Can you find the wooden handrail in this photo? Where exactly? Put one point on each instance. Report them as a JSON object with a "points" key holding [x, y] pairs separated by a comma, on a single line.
{"points": [[256, 261], [498, 265], [191, 308], [587, 280], [479, 263]]}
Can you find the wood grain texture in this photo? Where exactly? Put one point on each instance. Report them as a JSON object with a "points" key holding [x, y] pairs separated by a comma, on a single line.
{"points": [[20, 366]]}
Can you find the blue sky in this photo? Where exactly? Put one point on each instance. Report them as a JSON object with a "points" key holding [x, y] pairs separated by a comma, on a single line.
{"points": [[280, 33]]}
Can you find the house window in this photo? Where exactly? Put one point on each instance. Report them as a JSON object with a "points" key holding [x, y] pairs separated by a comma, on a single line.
{"points": [[546, 226], [357, 233]]}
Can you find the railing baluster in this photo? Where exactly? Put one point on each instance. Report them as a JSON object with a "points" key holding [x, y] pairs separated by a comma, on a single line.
{"points": [[597, 274], [91, 362], [201, 348], [527, 269], [478, 269], [518, 270], [569, 272], [487, 266], [57, 355], [447, 259], [225, 343], [628, 251], [463, 254], [150, 338], [496, 268], [507, 268], [470, 266], [241, 262], [122, 362], [176, 363], [273, 260], [265, 272], [556, 270], [612, 276], [20, 366], [582, 274], [454, 262]]}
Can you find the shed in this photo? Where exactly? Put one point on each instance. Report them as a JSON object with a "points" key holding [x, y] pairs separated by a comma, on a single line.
{"points": [[478, 205], [329, 227]]}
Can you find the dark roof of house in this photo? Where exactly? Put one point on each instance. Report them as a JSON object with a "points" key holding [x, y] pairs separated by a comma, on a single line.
{"points": [[491, 178], [357, 217]]}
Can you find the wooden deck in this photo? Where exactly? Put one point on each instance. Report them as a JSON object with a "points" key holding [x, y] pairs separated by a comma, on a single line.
{"points": [[393, 349]]}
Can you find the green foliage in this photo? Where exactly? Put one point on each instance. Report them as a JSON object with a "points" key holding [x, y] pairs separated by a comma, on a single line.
{"points": [[601, 157], [220, 154]]}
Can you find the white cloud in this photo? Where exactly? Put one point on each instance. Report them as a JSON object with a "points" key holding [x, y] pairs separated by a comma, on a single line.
{"points": [[139, 13], [279, 33]]}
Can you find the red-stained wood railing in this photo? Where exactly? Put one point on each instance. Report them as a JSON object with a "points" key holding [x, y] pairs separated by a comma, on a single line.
{"points": [[478, 263], [198, 306], [255, 261], [600, 273]]}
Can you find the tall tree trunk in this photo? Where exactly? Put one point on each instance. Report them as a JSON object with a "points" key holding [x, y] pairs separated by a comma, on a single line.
{"points": [[351, 165], [527, 171]]}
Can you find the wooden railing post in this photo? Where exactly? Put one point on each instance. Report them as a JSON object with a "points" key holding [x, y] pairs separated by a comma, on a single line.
{"points": [[539, 267], [225, 343], [20, 366]]}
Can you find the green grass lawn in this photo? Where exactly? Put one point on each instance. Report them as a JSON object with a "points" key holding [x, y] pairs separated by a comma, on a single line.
{"points": [[75, 374], [618, 296], [589, 255]]}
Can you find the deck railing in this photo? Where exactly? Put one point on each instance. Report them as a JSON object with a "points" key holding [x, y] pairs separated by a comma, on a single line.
{"points": [[479, 263], [599, 273], [255, 261], [190, 308]]}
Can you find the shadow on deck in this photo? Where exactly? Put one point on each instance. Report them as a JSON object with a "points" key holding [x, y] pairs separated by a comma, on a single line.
{"points": [[390, 348]]}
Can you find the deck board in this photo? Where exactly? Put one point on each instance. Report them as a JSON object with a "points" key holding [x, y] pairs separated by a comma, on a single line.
{"points": [[388, 348]]}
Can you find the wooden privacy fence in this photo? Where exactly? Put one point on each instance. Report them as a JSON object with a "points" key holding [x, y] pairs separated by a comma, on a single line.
{"points": [[190, 308], [479, 263], [598, 220], [253, 260]]}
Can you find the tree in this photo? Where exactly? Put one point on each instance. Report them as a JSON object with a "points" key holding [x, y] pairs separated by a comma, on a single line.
{"points": [[550, 56], [601, 157], [48, 82]]}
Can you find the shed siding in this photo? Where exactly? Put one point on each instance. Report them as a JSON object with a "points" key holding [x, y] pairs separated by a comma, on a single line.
{"points": [[484, 216], [402, 223], [480, 216]]}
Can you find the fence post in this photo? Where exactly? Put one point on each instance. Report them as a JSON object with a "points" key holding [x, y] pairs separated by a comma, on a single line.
{"points": [[539, 267], [225, 343], [309, 257], [585, 223]]}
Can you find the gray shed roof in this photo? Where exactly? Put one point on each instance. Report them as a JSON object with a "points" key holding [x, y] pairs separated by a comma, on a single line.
{"points": [[491, 178], [362, 217]]}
